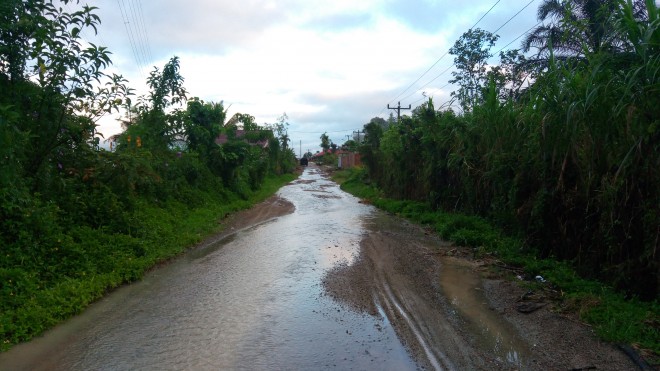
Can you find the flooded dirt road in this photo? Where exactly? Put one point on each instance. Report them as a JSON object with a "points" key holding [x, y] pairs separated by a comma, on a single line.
{"points": [[330, 283]]}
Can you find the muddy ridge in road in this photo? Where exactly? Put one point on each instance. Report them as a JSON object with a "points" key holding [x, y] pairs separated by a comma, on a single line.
{"points": [[272, 207], [451, 318]]}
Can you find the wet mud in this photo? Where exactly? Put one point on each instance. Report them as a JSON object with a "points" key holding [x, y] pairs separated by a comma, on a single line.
{"points": [[435, 307]]}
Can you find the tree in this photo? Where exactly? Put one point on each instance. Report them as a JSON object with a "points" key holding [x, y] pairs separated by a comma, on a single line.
{"points": [[472, 51], [577, 26], [203, 124], [350, 145], [158, 129], [248, 122], [282, 157], [166, 86], [369, 148], [325, 142], [53, 82], [511, 75], [282, 130], [373, 131]]}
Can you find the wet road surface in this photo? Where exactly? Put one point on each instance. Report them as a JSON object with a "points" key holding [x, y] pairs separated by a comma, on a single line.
{"points": [[251, 301], [328, 286]]}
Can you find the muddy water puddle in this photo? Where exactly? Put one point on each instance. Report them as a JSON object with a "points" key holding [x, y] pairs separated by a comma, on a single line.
{"points": [[462, 287], [435, 306]]}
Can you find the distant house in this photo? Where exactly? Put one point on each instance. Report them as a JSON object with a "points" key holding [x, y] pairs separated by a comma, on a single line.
{"points": [[318, 155], [246, 136], [347, 160]]}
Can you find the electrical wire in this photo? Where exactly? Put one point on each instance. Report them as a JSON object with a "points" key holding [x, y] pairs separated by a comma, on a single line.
{"points": [[133, 18], [441, 57], [137, 33], [144, 31], [485, 14], [129, 32], [138, 20], [519, 36], [514, 16], [452, 65]]}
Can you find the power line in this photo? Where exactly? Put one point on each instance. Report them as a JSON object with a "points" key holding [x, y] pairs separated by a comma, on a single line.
{"points": [[422, 98], [452, 65], [485, 14], [422, 75], [441, 57], [519, 36], [435, 78], [138, 20], [144, 30], [137, 32], [514, 16], [504, 47], [126, 21]]}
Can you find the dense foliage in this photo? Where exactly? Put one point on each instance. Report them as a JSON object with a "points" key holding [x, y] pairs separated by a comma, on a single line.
{"points": [[614, 317], [569, 160], [77, 219]]}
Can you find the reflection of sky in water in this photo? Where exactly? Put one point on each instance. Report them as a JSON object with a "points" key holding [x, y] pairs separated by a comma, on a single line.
{"points": [[327, 218], [460, 284]]}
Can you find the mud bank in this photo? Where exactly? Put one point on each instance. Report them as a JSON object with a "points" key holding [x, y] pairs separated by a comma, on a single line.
{"points": [[450, 316]]}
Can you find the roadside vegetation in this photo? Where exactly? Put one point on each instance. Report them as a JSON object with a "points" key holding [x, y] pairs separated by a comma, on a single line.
{"points": [[614, 317], [76, 219], [549, 160]]}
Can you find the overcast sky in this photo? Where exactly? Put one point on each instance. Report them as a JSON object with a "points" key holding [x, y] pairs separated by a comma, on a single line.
{"points": [[330, 65]]}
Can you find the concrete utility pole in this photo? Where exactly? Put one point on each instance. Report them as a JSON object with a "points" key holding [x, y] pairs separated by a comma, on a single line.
{"points": [[358, 133], [398, 109]]}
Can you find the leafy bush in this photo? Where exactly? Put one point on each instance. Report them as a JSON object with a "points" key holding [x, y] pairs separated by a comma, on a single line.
{"points": [[77, 220]]}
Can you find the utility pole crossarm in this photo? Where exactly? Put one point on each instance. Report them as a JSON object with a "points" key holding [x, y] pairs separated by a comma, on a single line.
{"points": [[358, 135], [398, 109]]}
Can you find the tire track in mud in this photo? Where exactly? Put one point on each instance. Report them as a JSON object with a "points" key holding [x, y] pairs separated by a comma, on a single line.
{"points": [[394, 278], [394, 306], [448, 316]]}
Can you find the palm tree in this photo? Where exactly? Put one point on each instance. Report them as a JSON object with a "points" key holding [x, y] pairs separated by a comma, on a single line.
{"points": [[577, 26]]}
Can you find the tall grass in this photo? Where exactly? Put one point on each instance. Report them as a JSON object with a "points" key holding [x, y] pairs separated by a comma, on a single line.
{"points": [[572, 165], [614, 317]]}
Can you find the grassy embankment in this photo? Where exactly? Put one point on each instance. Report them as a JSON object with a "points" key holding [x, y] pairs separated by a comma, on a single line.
{"points": [[95, 261], [613, 317]]}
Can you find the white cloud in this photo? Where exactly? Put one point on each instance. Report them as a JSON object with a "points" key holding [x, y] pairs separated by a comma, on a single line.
{"points": [[330, 65]]}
